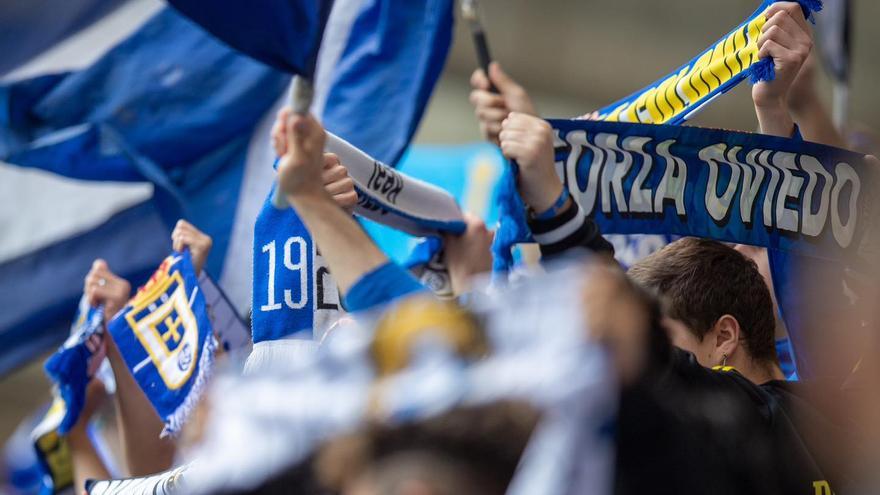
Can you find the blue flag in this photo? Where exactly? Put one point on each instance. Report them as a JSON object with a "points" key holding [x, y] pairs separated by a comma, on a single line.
{"points": [[165, 337], [26, 30], [376, 90], [169, 105], [284, 34]]}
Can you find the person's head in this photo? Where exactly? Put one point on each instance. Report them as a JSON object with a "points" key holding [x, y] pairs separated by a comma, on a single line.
{"points": [[466, 451], [715, 302]]}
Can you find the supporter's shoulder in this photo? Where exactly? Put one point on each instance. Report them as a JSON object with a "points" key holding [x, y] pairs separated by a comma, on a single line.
{"points": [[685, 364]]}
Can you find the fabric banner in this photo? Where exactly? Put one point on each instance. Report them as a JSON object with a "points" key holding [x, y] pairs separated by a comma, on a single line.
{"points": [[74, 364], [366, 47], [393, 198], [673, 100], [683, 93], [737, 187], [311, 299], [166, 483], [165, 337], [53, 452]]}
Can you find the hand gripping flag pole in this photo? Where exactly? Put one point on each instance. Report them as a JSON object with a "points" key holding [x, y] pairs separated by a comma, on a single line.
{"points": [[469, 14], [301, 93]]}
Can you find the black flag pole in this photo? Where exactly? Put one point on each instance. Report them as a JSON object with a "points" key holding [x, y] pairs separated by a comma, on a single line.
{"points": [[470, 15]]}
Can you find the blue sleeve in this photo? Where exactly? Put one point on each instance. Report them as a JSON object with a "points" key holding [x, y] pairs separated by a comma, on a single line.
{"points": [[382, 285]]}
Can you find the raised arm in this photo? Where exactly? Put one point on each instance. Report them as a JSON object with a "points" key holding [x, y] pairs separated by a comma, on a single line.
{"points": [[787, 39], [86, 462], [809, 111], [492, 108], [139, 425], [349, 252], [557, 222]]}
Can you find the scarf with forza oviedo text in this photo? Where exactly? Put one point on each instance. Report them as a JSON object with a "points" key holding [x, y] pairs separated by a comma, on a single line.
{"points": [[164, 335], [738, 187], [671, 100]]}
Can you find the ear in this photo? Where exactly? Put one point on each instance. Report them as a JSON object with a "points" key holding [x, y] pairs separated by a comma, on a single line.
{"points": [[726, 333]]}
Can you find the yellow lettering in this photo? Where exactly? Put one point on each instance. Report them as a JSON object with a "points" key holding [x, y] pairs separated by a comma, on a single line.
{"points": [[740, 42], [614, 116], [754, 33], [717, 67], [662, 103], [822, 488], [696, 79], [650, 102], [673, 96]]}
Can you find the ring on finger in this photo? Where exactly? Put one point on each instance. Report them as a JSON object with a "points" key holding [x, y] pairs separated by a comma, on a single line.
{"points": [[102, 282]]}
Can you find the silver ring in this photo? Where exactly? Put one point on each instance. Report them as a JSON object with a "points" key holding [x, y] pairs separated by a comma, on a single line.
{"points": [[102, 282]]}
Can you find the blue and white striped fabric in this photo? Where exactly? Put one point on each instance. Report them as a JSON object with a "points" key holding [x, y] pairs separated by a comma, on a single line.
{"points": [[84, 112], [376, 55], [263, 424]]}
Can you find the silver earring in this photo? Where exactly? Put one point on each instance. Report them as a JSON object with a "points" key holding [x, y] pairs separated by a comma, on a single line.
{"points": [[724, 360]]}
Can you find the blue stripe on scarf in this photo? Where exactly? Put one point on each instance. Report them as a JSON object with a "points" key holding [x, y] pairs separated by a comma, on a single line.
{"points": [[68, 367]]}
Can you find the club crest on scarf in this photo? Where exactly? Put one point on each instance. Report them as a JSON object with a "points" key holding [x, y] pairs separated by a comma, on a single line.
{"points": [[165, 336]]}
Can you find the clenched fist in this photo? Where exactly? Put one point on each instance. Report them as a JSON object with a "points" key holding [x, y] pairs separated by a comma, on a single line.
{"points": [[337, 183], [185, 235], [103, 287], [492, 108], [529, 141]]}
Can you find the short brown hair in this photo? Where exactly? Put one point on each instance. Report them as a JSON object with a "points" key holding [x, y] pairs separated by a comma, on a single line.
{"points": [[700, 280]]}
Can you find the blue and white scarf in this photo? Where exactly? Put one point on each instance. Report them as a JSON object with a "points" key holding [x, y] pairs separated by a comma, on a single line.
{"points": [[294, 294], [165, 337], [745, 188], [673, 99], [69, 368]]}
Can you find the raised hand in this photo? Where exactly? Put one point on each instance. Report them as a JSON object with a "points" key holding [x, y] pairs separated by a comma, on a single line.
{"points": [[529, 141], [787, 39], [102, 286], [492, 108], [300, 171], [336, 180], [468, 254], [185, 235]]}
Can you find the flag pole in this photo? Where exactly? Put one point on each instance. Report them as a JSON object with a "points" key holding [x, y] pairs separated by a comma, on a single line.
{"points": [[469, 14], [840, 104], [301, 93]]}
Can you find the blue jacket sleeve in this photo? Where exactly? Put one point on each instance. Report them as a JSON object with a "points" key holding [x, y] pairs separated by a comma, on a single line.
{"points": [[380, 286]]}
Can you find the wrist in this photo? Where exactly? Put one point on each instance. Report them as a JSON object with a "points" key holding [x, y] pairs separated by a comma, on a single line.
{"points": [[310, 195], [771, 103], [78, 435], [803, 102], [541, 195], [774, 120]]}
